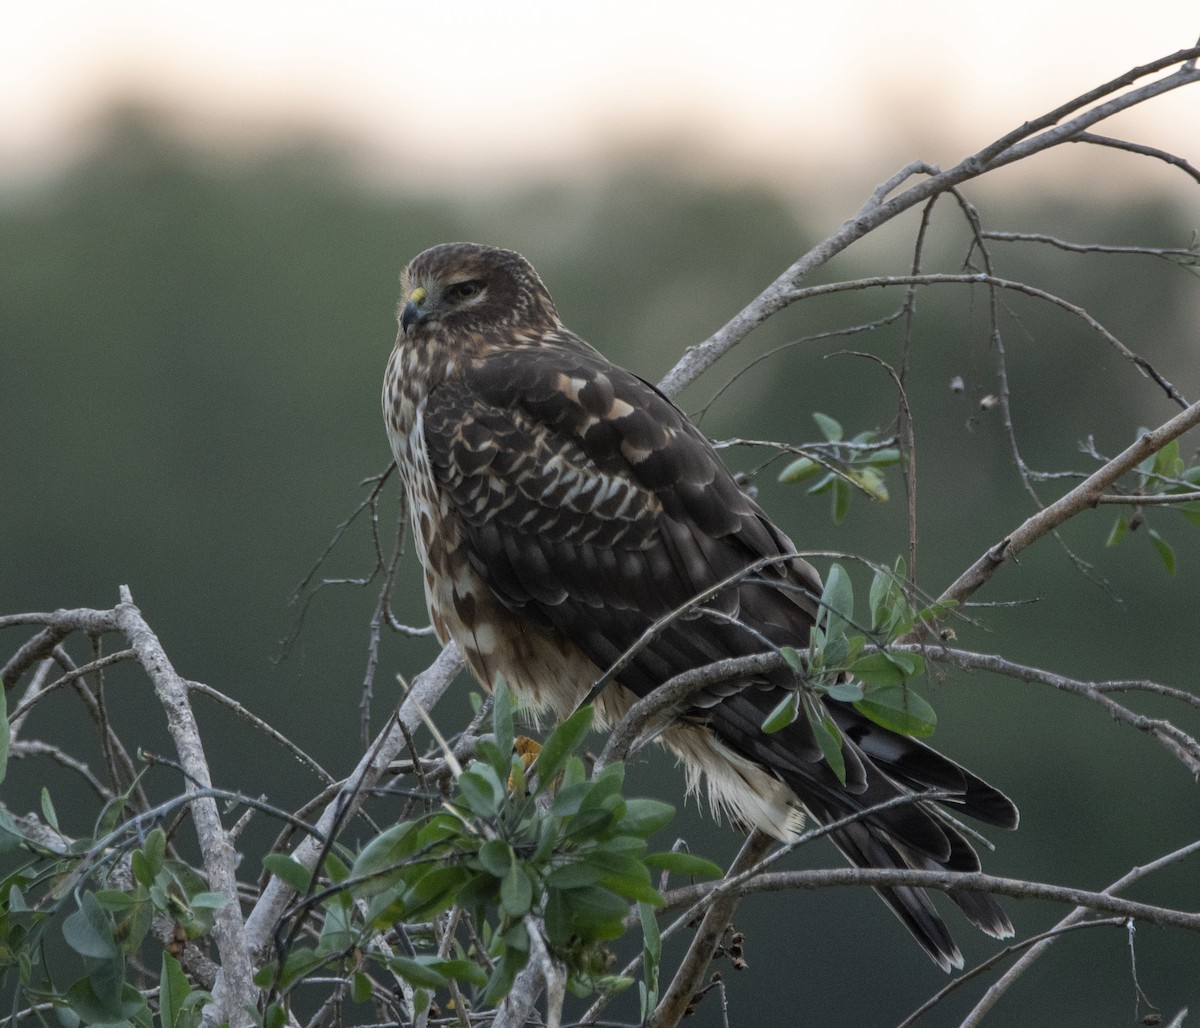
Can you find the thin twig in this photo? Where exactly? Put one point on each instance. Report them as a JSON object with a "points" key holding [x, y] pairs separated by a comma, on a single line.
{"points": [[946, 881], [1022, 142], [1001, 985], [1078, 499], [704, 942]]}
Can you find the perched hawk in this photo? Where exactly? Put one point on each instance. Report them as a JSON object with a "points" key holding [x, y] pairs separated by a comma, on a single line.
{"points": [[560, 506]]}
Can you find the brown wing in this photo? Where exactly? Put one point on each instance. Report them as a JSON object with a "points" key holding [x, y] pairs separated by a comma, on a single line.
{"points": [[591, 504]]}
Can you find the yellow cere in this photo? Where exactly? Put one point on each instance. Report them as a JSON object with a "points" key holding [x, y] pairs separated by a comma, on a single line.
{"points": [[417, 294]]}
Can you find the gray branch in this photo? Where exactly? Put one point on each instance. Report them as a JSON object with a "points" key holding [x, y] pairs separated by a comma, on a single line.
{"points": [[946, 881]]}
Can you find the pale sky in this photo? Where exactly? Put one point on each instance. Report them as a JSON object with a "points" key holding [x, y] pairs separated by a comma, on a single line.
{"points": [[467, 88]]}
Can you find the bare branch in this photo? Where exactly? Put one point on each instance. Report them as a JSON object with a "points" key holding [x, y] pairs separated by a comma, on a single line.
{"points": [[1078, 499], [1022, 142], [945, 881], [1140, 149], [258, 723], [1167, 253], [426, 689], [57, 626], [236, 991], [37, 748], [27, 704], [704, 943], [1185, 748], [649, 715], [1001, 985], [1150, 499], [884, 281]]}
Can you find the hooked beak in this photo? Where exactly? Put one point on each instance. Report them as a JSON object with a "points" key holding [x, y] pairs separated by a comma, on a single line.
{"points": [[412, 312]]}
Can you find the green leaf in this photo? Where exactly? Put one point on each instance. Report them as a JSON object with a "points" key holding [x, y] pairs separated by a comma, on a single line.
{"points": [[1191, 511], [417, 973], [463, 970], [516, 891], [1165, 553], [360, 988], [644, 817], [482, 795], [517, 785], [155, 848], [910, 664], [794, 659], [288, 871], [837, 602], [337, 934], [799, 470], [882, 668], [1167, 462], [502, 724], [824, 485], [434, 891], [651, 959], [48, 813], [830, 428], [512, 961], [884, 458], [95, 1007], [841, 500], [557, 919], [937, 609], [384, 853], [561, 744], [870, 482], [479, 892], [847, 692], [173, 989], [633, 888], [114, 899], [595, 914], [11, 836], [590, 823], [1117, 533], [828, 738], [879, 598], [89, 930], [682, 863], [5, 734], [574, 875], [208, 901], [784, 714], [336, 868], [497, 857], [899, 708], [573, 773], [569, 799]]}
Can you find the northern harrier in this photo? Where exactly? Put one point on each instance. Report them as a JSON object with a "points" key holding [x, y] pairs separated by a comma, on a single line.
{"points": [[560, 506]]}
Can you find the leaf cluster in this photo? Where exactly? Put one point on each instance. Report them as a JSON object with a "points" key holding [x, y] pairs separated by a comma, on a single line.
{"points": [[850, 466], [105, 894], [837, 667], [510, 844], [1162, 474]]}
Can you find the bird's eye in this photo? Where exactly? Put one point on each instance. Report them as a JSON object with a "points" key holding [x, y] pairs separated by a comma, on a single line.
{"points": [[466, 290]]}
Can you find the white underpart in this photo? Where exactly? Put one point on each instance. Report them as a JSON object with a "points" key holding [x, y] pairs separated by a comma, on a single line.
{"points": [[737, 788]]}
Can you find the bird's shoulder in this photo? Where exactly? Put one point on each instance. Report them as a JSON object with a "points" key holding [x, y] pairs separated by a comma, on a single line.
{"points": [[561, 414]]}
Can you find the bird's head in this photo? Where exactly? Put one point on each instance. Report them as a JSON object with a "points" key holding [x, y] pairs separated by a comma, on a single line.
{"points": [[473, 289]]}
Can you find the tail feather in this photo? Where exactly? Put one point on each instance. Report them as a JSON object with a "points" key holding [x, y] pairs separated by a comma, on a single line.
{"points": [[912, 906], [916, 834]]}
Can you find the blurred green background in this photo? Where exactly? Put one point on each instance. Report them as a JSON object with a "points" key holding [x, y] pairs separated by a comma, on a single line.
{"points": [[191, 347]]}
